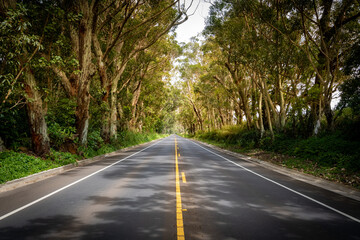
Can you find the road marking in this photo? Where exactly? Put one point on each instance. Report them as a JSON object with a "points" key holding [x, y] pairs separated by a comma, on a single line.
{"points": [[179, 215], [283, 186], [71, 184], [183, 177]]}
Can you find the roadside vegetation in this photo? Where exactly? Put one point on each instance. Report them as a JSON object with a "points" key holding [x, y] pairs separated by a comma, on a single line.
{"points": [[331, 156], [83, 78], [17, 164], [278, 80]]}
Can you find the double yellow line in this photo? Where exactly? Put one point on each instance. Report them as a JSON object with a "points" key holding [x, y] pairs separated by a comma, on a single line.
{"points": [[179, 215]]}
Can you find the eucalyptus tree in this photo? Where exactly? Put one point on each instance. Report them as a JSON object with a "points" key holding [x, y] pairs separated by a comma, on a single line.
{"points": [[126, 29], [328, 30], [229, 34], [151, 91], [117, 31], [23, 29], [190, 72], [75, 46]]}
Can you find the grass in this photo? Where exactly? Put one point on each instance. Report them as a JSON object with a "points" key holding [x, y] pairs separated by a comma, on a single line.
{"points": [[329, 156], [14, 165]]}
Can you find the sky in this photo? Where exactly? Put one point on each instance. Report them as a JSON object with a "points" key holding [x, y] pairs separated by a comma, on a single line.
{"points": [[196, 22]]}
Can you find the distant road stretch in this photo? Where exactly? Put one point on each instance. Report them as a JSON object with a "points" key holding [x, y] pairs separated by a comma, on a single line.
{"points": [[174, 188]]}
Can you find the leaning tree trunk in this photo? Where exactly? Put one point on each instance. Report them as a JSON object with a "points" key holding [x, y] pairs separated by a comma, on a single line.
{"points": [[38, 128]]}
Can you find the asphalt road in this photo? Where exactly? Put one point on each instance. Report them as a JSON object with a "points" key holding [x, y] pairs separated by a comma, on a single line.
{"points": [[175, 189]]}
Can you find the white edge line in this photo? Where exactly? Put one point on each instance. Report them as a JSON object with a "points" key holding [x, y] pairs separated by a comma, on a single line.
{"points": [[283, 186], [71, 184]]}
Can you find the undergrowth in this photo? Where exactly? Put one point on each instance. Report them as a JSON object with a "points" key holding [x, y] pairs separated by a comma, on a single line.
{"points": [[14, 165], [330, 155]]}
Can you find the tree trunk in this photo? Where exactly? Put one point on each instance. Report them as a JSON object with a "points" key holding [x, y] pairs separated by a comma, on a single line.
{"points": [[282, 113], [329, 114], [113, 114], [85, 57], [268, 115], [105, 128], [245, 104], [134, 104], [105, 85], [113, 98], [270, 103], [261, 122], [82, 114], [38, 128]]}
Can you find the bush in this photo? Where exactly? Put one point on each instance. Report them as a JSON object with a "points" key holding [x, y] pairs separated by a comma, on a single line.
{"points": [[14, 127], [59, 135], [232, 135], [62, 112], [328, 150], [63, 158], [94, 140]]}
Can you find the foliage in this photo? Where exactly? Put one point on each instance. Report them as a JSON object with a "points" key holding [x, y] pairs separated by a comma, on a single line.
{"points": [[13, 129], [62, 158], [328, 150], [62, 111], [232, 135], [330, 155], [59, 135], [41, 39], [271, 65], [15, 165], [350, 95]]}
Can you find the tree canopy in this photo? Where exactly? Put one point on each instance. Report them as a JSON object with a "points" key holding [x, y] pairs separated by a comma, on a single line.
{"points": [[73, 70]]}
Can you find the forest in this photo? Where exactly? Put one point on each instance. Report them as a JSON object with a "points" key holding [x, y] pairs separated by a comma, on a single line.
{"points": [[85, 77]]}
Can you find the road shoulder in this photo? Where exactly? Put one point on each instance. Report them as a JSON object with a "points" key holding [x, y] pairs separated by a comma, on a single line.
{"points": [[338, 188]]}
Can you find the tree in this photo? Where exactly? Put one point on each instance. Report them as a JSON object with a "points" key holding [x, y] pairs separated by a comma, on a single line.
{"points": [[19, 47]]}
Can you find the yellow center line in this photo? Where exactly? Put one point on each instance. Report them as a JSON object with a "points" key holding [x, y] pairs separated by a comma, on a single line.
{"points": [[183, 177], [179, 215]]}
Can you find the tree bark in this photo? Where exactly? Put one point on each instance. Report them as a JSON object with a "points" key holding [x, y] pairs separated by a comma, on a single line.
{"points": [[261, 122], [134, 104], [282, 114], [268, 115], [85, 57], [38, 128], [113, 99]]}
